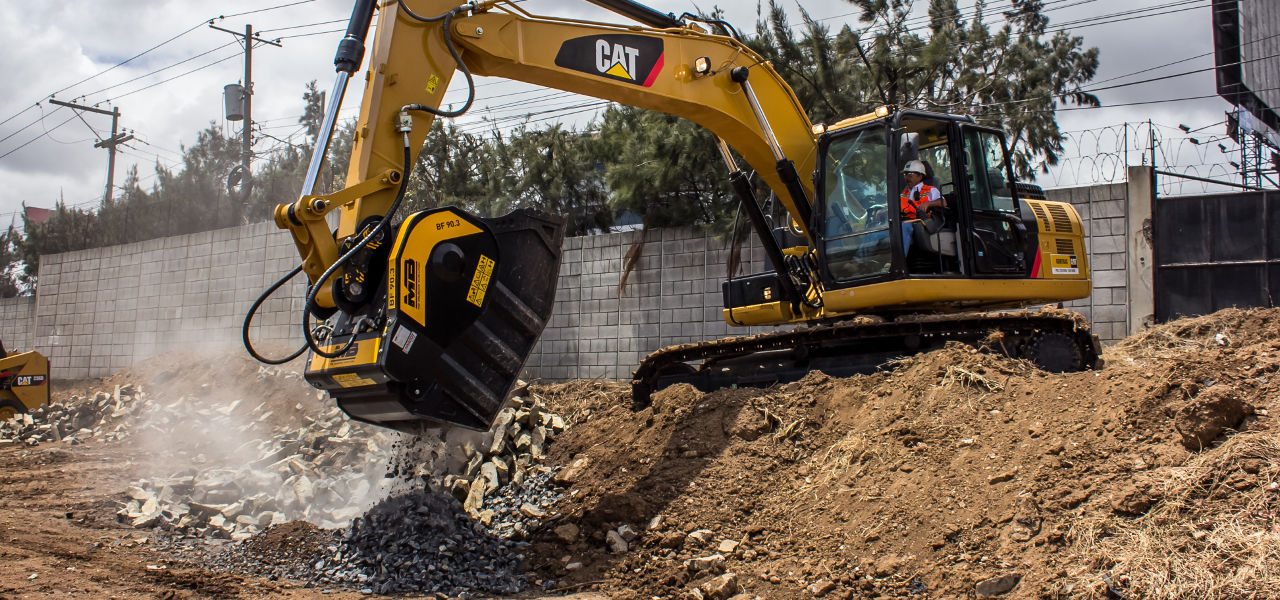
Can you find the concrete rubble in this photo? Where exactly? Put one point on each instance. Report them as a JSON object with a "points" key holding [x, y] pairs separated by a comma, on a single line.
{"points": [[104, 416], [317, 473], [448, 511], [321, 473]]}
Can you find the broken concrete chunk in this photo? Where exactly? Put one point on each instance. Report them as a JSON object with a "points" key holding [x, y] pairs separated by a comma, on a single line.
{"points": [[616, 544], [568, 533], [713, 563], [996, 586]]}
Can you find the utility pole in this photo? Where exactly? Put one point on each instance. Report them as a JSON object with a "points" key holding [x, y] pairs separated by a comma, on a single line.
{"points": [[110, 143], [246, 142]]}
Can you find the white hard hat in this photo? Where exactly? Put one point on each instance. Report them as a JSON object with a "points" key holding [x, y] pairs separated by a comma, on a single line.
{"points": [[914, 166]]}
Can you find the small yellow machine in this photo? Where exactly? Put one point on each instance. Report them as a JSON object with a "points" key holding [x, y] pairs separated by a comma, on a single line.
{"points": [[24, 382]]}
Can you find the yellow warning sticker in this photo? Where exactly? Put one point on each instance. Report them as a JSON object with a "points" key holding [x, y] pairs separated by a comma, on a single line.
{"points": [[432, 84], [480, 283], [350, 380], [1064, 264]]}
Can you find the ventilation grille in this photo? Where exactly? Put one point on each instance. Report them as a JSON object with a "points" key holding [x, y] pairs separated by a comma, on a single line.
{"points": [[1043, 216], [1066, 246], [1029, 191], [1061, 222]]}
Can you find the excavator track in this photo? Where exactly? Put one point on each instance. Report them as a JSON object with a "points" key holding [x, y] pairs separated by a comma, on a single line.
{"points": [[1056, 341]]}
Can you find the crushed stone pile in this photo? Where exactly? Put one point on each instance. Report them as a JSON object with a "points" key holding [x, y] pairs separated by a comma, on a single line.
{"points": [[459, 521], [455, 510]]}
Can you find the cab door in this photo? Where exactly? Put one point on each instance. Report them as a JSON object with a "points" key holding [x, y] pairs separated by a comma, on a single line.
{"points": [[994, 229]]}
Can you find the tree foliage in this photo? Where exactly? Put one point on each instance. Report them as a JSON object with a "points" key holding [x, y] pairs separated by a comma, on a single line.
{"points": [[1013, 77]]}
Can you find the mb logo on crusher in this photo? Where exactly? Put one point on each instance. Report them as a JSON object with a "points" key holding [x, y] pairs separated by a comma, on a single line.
{"points": [[634, 59], [411, 283]]}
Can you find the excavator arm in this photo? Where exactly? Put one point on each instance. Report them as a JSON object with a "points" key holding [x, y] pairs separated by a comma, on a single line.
{"points": [[430, 318], [657, 69]]}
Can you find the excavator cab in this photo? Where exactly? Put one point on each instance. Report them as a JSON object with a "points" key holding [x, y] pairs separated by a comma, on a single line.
{"points": [[990, 228]]}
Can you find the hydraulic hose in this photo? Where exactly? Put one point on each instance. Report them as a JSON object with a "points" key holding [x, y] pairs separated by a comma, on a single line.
{"points": [[248, 320], [457, 59], [337, 264]]}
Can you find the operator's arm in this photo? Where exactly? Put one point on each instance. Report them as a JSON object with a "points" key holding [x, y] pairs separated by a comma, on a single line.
{"points": [[412, 64]]}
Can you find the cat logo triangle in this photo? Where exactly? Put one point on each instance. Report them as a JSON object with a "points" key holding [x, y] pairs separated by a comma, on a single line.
{"points": [[617, 70]]}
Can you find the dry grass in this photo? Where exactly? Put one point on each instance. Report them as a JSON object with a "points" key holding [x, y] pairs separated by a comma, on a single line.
{"points": [[967, 378], [1186, 337], [846, 460], [1204, 539]]}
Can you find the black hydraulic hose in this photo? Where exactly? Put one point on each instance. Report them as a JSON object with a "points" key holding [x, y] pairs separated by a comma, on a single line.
{"points": [[248, 320], [315, 289], [733, 32], [453, 51]]}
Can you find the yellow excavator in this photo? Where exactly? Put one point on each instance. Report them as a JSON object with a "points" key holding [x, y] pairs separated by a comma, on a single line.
{"points": [[429, 317], [24, 382]]}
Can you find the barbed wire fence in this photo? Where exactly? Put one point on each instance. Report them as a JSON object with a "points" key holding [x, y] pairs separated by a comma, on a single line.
{"points": [[1102, 155]]}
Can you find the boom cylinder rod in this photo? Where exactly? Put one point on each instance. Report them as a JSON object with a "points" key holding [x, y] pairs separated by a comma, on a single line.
{"points": [[639, 12], [786, 168], [348, 58], [740, 75], [326, 132]]}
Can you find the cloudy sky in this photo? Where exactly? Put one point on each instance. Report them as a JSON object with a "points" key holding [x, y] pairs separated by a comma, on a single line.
{"points": [[169, 93]]}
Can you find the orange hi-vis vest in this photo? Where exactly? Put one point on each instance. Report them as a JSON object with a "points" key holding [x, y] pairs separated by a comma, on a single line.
{"points": [[909, 205]]}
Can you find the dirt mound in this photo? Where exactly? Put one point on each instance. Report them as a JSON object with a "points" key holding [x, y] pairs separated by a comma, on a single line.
{"points": [[959, 473]]}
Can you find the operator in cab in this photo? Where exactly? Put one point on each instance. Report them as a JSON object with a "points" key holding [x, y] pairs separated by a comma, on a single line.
{"points": [[918, 200]]}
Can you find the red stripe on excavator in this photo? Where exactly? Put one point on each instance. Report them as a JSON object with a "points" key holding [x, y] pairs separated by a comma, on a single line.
{"points": [[1035, 269], [653, 73]]}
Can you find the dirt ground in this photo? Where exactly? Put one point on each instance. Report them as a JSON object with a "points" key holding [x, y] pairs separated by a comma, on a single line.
{"points": [[955, 475]]}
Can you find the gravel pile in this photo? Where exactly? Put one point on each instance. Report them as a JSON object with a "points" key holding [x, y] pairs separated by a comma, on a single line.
{"points": [[460, 509]]}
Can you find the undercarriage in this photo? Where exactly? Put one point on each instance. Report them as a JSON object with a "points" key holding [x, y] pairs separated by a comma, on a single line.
{"points": [[1056, 341]]}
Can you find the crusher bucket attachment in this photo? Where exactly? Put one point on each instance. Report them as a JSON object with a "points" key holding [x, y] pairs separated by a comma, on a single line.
{"points": [[464, 303]]}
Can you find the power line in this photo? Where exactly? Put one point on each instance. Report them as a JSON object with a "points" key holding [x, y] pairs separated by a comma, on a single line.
{"points": [[160, 70], [28, 125], [162, 82], [24, 145], [302, 26], [161, 44]]}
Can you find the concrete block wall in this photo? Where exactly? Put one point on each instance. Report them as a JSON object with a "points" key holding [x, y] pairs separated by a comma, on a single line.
{"points": [[1103, 209], [16, 329], [672, 296], [101, 310]]}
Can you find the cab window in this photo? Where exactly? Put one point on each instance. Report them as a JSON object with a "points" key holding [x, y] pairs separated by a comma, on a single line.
{"points": [[856, 217], [989, 188]]}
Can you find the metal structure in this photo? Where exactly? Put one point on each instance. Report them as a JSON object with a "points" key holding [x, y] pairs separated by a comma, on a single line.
{"points": [[1215, 251], [1246, 41], [242, 175]]}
